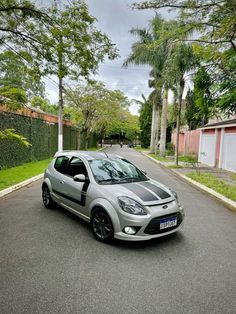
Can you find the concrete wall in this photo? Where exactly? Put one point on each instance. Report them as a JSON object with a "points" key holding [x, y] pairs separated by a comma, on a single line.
{"points": [[188, 142]]}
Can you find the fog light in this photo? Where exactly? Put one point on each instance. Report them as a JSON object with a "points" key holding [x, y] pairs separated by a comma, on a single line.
{"points": [[130, 230]]}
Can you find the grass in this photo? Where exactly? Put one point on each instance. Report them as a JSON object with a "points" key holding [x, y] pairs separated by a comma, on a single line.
{"points": [[188, 159], [233, 176], [14, 175], [174, 166], [164, 159], [93, 149], [214, 183], [139, 148]]}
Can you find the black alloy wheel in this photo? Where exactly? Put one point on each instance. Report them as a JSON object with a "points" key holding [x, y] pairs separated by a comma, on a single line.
{"points": [[102, 226], [47, 200]]}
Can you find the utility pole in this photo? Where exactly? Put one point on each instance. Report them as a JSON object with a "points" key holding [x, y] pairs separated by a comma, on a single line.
{"points": [[60, 92]]}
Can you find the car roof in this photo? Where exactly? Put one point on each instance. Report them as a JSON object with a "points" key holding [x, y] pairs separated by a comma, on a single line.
{"points": [[89, 155]]}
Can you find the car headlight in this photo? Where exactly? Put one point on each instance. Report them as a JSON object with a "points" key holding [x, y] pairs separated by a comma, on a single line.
{"points": [[175, 196], [131, 206]]}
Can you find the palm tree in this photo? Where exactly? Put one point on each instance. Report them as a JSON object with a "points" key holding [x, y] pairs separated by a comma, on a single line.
{"points": [[180, 61], [155, 100], [143, 52]]}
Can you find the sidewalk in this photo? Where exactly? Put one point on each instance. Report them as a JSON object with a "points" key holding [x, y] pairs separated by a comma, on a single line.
{"points": [[223, 175]]}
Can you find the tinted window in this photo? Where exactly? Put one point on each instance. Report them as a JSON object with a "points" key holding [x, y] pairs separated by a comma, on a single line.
{"points": [[76, 166], [61, 163]]}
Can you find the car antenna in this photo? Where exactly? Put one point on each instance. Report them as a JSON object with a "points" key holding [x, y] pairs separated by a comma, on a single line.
{"points": [[106, 154]]}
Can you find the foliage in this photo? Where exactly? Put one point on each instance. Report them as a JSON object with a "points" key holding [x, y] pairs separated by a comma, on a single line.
{"points": [[17, 23], [144, 52], [41, 135], [12, 135], [130, 126], [211, 26], [45, 105], [202, 95], [99, 110], [12, 97], [75, 46], [193, 118], [15, 73], [214, 183], [12, 176], [145, 120]]}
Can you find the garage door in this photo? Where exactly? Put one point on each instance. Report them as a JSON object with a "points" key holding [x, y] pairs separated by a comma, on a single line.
{"points": [[208, 149], [229, 152]]}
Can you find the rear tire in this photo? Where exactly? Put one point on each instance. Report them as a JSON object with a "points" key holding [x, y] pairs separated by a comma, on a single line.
{"points": [[46, 196], [101, 225]]}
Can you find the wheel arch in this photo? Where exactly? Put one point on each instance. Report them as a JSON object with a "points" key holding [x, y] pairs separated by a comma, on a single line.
{"points": [[109, 209], [46, 182]]}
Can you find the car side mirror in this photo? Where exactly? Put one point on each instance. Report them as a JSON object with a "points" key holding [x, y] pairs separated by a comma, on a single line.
{"points": [[144, 172], [79, 178]]}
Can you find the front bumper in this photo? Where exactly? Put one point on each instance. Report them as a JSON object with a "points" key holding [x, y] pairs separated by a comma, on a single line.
{"points": [[137, 237], [149, 225]]}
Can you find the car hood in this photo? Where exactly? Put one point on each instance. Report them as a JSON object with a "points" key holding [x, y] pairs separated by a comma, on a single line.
{"points": [[147, 193]]}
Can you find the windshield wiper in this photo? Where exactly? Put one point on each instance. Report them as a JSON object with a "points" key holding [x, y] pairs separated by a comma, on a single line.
{"points": [[108, 180], [130, 179]]}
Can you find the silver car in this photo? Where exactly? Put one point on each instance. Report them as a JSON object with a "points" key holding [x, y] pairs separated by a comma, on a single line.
{"points": [[117, 198]]}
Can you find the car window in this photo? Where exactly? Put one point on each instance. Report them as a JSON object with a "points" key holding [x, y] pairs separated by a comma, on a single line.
{"points": [[61, 164], [76, 166], [115, 171]]}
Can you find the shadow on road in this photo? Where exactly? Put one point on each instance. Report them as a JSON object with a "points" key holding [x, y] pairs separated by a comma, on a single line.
{"points": [[167, 242]]}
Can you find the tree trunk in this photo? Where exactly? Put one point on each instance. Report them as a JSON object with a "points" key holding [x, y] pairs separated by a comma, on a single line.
{"points": [[179, 107], [153, 128], [164, 123], [157, 128]]}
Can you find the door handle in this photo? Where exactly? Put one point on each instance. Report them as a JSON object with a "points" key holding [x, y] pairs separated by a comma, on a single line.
{"points": [[62, 181]]}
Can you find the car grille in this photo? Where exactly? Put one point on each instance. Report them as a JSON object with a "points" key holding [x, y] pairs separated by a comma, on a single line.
{"points": [[154, 225]]}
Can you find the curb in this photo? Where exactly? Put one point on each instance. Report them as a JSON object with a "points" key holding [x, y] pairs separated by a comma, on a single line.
{"points": [[226, 201], [20, 185]]}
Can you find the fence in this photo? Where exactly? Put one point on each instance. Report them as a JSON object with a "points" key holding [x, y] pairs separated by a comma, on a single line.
{"points": [[40, 133]]}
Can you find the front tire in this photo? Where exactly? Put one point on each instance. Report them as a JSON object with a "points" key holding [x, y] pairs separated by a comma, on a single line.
{"points": [[102, 227], [46, 196]]}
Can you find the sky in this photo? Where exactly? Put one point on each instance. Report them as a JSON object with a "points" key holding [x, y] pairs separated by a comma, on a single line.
{"points": [[116, 18]]}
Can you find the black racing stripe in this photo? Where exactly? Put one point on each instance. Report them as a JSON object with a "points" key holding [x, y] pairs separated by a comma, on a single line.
{"points": [[158, 191], [84, 191], [83, 195], [66, 196], [141, 192]]}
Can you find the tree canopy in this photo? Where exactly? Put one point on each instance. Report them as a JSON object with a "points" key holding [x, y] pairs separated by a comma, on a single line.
{"points": [[210, 26]]}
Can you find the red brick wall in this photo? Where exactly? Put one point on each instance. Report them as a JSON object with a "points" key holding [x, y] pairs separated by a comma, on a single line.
{"points": [[34, 114]]}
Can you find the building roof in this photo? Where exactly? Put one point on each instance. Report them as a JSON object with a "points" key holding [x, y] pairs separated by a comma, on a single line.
{"points": [[221, 124]]}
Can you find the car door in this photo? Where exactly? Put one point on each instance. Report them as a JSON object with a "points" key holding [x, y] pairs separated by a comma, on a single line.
{"points": [[57, 177], [74, 193]]}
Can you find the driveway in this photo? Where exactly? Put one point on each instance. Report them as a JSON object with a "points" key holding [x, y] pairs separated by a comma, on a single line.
{"points": [[50, 262]]}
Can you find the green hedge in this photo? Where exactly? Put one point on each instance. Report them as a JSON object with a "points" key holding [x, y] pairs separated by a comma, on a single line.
{"points": [[41, 134]]}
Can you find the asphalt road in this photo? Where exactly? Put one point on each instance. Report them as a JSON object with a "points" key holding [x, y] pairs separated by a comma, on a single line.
{"points": [[50, 262]]}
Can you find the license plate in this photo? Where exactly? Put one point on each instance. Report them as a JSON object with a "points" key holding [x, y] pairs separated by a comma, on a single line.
{"points": [[167, 223]]}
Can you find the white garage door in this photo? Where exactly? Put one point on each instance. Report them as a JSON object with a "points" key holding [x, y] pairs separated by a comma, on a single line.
{"points": [[229, 152], [208, 149]]}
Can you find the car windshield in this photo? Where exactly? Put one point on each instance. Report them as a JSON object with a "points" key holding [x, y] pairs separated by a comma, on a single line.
{"points": [[113, 171]]}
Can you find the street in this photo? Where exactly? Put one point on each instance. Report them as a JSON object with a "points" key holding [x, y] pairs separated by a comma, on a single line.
{"points": [[50, 262]]}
